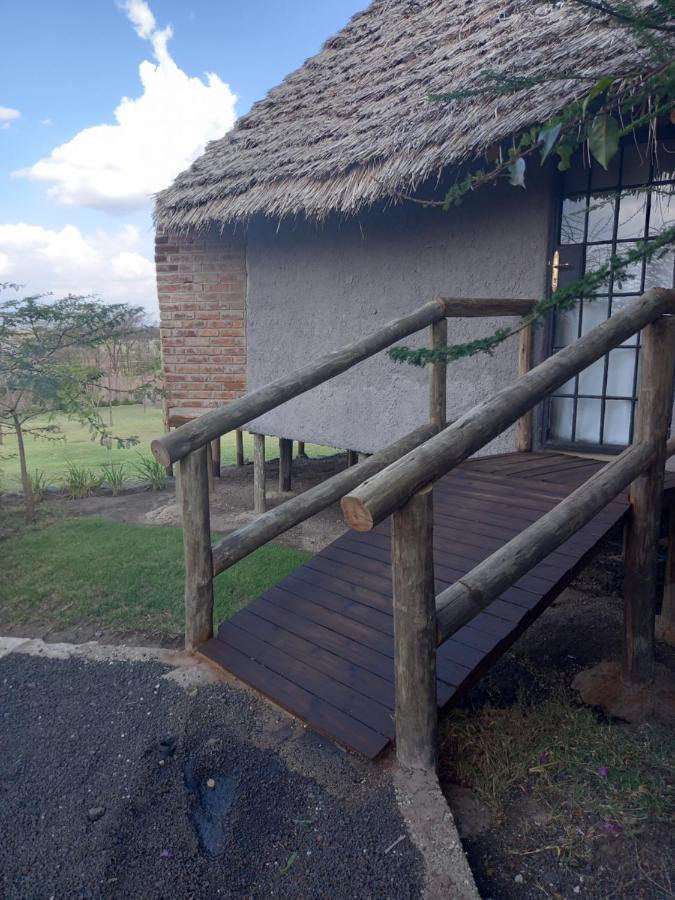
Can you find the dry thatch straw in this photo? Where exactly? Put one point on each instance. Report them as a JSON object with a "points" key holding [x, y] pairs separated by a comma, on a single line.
{"points": [[355, 125]]}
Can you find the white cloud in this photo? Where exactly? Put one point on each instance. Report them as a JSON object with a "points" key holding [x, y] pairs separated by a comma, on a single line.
{"points": [[46, 122], [108, 263], [157, 134], [7, 116]]}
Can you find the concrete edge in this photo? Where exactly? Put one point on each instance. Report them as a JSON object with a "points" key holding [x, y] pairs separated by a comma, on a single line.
{"points": [[186, 670], [432, 829]]}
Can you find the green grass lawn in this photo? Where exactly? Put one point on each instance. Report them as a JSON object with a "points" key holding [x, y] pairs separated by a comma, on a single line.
{"points": [[51, 457], [119, 576]]}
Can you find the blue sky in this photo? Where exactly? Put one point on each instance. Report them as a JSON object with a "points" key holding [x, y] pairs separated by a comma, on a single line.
{"points": [[74, 207]]}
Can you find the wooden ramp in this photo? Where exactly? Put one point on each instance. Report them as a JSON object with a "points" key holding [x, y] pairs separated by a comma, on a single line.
{"points": [[320, 643]]}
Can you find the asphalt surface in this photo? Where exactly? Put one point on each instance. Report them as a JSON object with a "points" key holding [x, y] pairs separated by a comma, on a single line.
{"points": [[116, 782]]}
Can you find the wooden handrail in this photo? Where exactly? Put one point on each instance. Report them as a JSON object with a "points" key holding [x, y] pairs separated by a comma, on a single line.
{"points": [[276, 521], [389, 490], [216, 422], [475, 591]]}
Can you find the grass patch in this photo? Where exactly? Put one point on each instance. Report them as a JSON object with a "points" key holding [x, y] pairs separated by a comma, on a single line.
{"points": [[594, 778], [119, 576], [52, 457]]}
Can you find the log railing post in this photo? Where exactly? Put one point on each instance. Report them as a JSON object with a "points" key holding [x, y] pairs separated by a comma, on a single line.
{"points": [[239, 445], [302, 453], [438, 376], [414, 632], [285, 463], [652, 419], [194, 495], [215, 457], [665, 623], [259, 493], [524, 427]]}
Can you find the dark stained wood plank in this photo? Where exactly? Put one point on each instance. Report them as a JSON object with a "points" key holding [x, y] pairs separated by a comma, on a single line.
{"points": [[320, 642], [325, 718]]}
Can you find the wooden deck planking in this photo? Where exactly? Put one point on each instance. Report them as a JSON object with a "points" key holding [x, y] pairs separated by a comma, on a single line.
{"points": [[320, 643]]}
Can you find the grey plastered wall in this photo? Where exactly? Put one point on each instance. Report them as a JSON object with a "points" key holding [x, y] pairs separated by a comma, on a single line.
{"points": [[313, 288]]}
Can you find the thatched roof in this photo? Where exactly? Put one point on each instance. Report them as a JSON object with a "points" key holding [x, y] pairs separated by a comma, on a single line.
{"points": [[355, 125]]}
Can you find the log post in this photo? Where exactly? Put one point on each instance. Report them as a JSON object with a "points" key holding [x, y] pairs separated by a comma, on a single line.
{"points": [[165, 427], [215, 457], [652, 420], [194, 491], [239, 444], [438, 376], [352, 457], [665, 623], [285, 463], [302, 454], [259, 495], [414, 632], [524, 428]]}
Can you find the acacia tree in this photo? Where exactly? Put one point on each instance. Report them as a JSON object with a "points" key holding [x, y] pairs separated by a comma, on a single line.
{"points": [[41, 372], [595, 120]]}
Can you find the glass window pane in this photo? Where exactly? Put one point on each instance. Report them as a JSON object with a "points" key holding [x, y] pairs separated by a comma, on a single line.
{"points": [[597, 256], [591, 379], [630, 280], [573, 220], [664, 168], [660, 271], [601, 217], [560, 421], [594, 313], [588, 421], [566, 327], [632, 216], [620, 373], [618, 303], [662, 213], [617, 422], [606, 179], [636, 161]]}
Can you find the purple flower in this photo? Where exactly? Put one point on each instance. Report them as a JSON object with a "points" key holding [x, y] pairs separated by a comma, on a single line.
{"points": [[166, 854], [543, 758], [602, 771], [612, 827]]}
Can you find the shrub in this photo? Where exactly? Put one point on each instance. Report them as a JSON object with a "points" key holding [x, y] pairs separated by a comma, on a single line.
{"points": [[38, 482], [80, 481], [151, 472], [114, 473]]}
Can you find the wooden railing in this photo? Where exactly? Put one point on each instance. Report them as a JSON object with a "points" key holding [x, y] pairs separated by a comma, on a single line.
{"points": [[403, 489], [189, 444]]}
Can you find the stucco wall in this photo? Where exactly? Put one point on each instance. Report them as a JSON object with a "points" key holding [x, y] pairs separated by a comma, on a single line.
{"points": [[313, 288]]}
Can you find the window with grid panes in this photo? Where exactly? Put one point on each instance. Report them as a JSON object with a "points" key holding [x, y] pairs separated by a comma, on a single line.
{"points": [[602, 213]]}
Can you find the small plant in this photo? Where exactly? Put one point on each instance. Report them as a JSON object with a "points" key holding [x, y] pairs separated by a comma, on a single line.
{"points": [[38, 483], [114, 473], [81, 481], [151, 472]]}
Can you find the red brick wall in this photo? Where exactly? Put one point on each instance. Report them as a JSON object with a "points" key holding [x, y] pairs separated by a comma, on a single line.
{"points": [[201, 284]]}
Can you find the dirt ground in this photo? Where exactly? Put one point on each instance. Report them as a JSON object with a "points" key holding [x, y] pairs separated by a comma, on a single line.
{"points": [[521, 845]]}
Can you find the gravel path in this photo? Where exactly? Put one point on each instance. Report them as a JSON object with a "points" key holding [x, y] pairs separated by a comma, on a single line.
{"points": [[116, 782]]}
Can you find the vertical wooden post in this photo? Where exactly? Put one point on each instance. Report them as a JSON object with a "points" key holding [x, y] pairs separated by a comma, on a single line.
{"points": [[352, 458], [438, 376], [259, 495], [301, 450], [652, 418], [524, 427], [215, 457], [194, 491], [415, 632], [239, 444], [285, 462], [666, 621], [165, 425]]}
